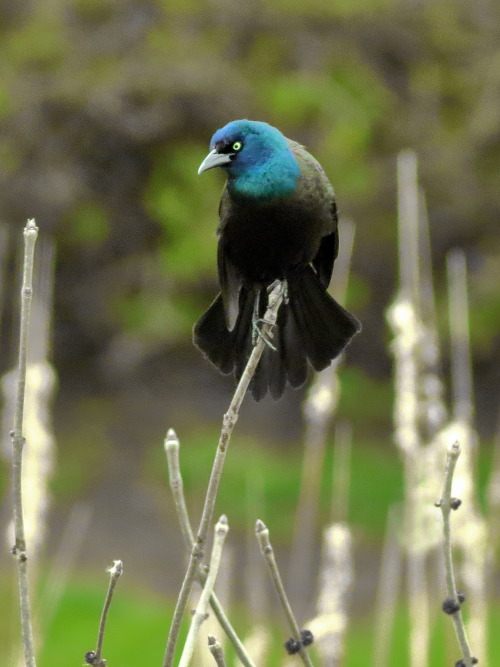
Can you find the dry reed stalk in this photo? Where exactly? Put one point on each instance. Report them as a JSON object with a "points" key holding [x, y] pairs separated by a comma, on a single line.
{"points": [[388, 588], [319, 412], [336, 579]]}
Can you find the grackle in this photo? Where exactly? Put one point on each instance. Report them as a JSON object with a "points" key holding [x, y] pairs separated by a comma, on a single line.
{"points": [[278, 220]]}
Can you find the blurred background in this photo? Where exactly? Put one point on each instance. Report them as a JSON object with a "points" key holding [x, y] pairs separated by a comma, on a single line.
{"points": [[106, 111]]}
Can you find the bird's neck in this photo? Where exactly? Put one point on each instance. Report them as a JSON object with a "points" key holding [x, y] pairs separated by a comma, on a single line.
{"points": [[276, 178]]}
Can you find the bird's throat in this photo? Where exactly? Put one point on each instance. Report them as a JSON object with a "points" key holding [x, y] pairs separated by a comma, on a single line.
{"points": [[272, 180]]}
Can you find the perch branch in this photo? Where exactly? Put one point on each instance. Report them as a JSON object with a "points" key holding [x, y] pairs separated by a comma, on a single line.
{"points": [[229, 421]]}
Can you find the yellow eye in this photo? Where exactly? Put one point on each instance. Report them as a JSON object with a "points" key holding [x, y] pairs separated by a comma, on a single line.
{"points": [[237, 146]]}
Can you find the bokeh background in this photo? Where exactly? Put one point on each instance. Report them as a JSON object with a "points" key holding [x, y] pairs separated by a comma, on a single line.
{"points": [[106, 110]]}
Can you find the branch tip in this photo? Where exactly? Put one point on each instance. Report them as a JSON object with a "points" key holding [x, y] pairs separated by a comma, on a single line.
{"points": [[222, 525], [260, 527], [31, 229], [115, 570], [172, 435], [216, 650], [171, 440]]}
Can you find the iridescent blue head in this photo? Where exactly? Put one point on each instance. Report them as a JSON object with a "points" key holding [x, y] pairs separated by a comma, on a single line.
{"points": [[257, 159]]}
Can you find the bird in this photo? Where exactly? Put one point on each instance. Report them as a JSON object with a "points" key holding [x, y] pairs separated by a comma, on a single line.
{"points": [[277, 221]]}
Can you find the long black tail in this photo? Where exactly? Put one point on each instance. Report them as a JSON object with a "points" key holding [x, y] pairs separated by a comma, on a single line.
{"points": [[312, 327]]}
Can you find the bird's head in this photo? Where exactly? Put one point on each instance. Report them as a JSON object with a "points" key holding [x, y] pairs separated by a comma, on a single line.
{"points": [[256, 157]]}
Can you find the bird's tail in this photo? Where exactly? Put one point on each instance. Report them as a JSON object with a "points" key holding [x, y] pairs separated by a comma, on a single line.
{"points": [[311, 328]]}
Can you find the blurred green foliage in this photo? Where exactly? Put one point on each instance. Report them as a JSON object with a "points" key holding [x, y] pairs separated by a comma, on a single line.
{"points": [[106, 110], [138, 621], [376, 481], [75, 472], [185, 208], [88, 225]]}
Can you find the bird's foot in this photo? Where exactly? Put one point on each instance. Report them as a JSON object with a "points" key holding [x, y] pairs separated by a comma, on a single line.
{"points": [[258, 333]]}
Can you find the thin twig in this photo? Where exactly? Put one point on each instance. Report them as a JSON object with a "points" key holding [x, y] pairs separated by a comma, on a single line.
{"points": [[19, 550], [229, 421], [216, 650], [447, 503], [200, 614], [171, 445], [94, 657], [262, 533], [177, 487]]}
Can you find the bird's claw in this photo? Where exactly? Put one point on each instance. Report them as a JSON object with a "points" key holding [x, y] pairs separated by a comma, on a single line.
{"points": [[257, 332]]}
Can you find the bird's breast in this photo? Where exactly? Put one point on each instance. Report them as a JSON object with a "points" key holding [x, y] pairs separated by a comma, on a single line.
{"points": [[265, 241]]}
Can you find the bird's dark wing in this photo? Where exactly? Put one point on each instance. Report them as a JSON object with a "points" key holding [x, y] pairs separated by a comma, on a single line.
{"points": [[229, 278], [316, 186], [314, 175], [325, 257]]}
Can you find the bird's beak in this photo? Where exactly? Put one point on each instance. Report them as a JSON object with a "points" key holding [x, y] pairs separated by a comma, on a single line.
{"points": [[214, 159]]}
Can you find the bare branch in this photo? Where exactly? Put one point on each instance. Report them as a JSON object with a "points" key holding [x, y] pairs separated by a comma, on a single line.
{"points": [[262, 533], [216, 650], [177, 486], [94, 657], [452, 604], [18, 441], [221, 530]]}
